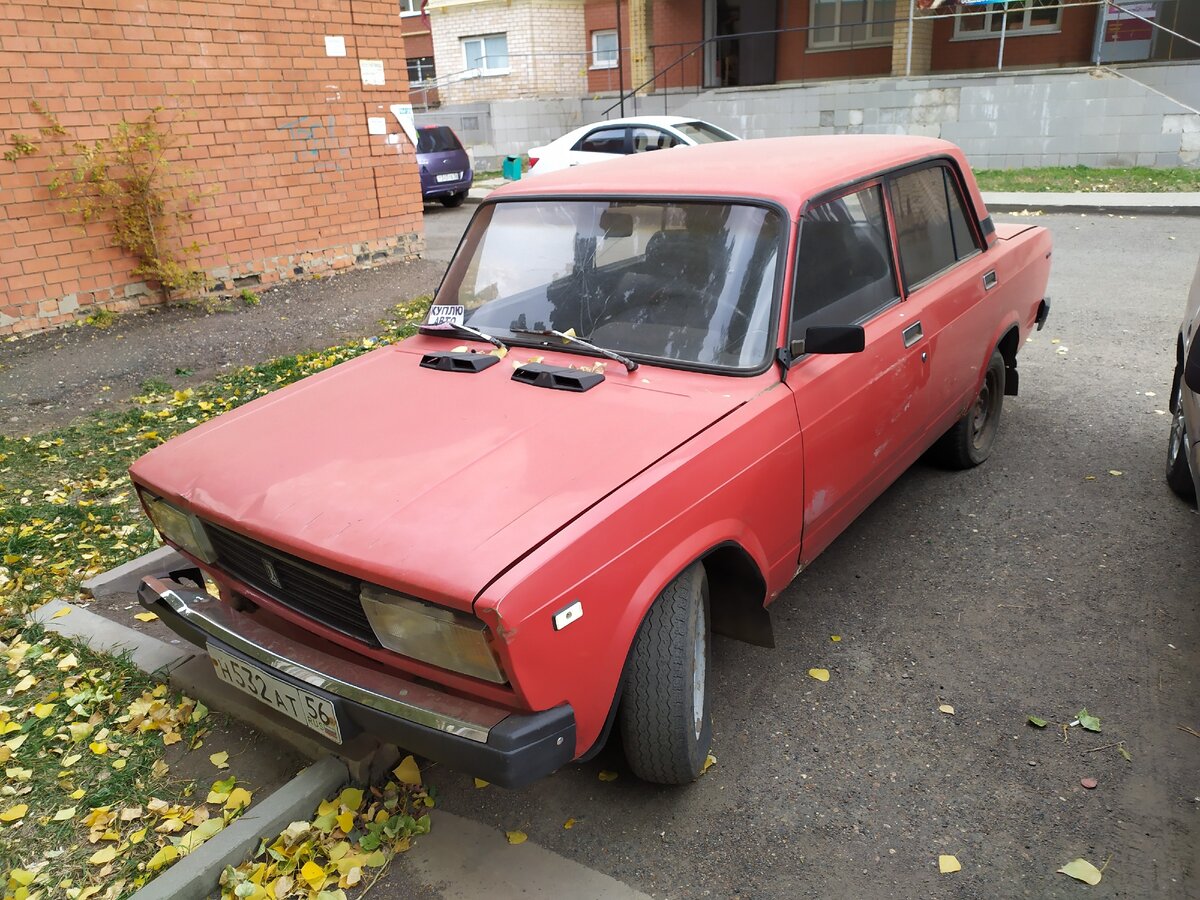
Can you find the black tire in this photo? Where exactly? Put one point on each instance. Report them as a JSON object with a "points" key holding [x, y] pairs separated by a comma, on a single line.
{"points": [[666, 737], [453, 200], [1179, 473], [969, 441]]}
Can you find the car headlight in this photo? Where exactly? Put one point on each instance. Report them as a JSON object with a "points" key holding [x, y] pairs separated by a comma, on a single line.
{"points": [[179, 527], [432, 634]]}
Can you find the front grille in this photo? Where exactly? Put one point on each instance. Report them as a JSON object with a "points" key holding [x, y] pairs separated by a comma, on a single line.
{"points": [[329, 597]]}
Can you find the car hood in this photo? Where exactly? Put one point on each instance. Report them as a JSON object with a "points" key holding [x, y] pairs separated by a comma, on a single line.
{"points": [[425, 481]]}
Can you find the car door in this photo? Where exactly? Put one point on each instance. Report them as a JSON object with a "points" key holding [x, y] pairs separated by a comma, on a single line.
{"points": [[605, 142], [858, 413], [945, 275]]}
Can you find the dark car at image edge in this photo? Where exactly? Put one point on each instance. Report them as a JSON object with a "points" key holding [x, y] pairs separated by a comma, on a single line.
{"points": [[445, 168]]}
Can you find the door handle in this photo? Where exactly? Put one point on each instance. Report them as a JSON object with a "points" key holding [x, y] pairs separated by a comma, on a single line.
{"points": [[989, 280], [912, 334]]}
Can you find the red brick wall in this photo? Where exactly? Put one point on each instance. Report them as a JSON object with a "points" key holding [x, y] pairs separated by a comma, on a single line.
{"points": [[271, 125], [1073, 45]]}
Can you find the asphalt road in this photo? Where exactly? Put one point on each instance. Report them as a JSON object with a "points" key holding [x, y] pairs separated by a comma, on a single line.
{"points": [[1060, 575]]}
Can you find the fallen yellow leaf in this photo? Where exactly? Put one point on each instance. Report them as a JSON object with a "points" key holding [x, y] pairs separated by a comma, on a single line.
{"points": [[146, 617], [14, 813], [947, 709], [606, 775], [22, 877], [138, 836], [77, 794], [69, 661], [166, 855], [98, 747], [835, 637], [239, 798], [480, 783], [80, 731], [23, 685], [819, 674], [1082, 870], [199, 835], [314, 875], [220, 760], [948, 864], [345, 821], [63, 814], [351, 798], [709, 762], [408, 772], [105, 855], [1115, 473], [58, 614], [569, 824], [516, 837]]}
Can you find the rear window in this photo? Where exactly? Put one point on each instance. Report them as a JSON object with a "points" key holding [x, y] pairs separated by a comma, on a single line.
{"points": [[437, 140], [703, 133]]}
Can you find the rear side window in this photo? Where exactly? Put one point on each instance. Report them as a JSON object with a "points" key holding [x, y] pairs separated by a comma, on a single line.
{"points": [[651, 139], [931, 224], [605, 140], [844, 270], [437, 140]]}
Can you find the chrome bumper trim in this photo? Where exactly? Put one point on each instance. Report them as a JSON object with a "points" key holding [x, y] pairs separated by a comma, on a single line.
{"points": [[385, 693]]}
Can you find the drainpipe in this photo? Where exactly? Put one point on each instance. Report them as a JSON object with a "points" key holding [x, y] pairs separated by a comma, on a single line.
{"points": [[912, 6], [620, 62]]}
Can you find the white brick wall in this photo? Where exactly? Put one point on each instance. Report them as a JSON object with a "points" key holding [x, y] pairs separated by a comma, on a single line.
{"points": [[546, 47]]}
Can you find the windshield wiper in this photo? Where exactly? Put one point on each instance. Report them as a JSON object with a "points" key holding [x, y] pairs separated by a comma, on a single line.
{"points": [[458, 326], [628, 363]]}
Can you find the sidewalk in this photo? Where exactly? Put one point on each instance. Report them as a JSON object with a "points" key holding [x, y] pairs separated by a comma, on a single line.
{"points": [[1166, 204]]}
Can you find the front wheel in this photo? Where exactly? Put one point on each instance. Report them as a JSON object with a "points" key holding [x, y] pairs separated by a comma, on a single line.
{"points": [[1179, 474], [969, 440], [665, 723]]}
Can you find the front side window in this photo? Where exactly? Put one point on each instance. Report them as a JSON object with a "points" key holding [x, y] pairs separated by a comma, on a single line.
{"points": [[844, 23], [844, 272], [604, 49], [1014, 17], [691, 284], [604, 140], [487, 53], [931, 223]]}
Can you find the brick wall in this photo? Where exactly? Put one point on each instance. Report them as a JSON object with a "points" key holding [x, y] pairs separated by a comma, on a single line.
{"points": [[273, 127], [546, 51]]}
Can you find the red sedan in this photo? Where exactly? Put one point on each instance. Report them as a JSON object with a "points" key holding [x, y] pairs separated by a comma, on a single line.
{"points": [[647, 395]]}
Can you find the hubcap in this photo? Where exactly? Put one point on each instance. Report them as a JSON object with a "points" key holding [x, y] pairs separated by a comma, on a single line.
{"points": [[699, 662], [1177, 429]]}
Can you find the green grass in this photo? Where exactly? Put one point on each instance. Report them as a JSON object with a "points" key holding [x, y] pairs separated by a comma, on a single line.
{"points": [[67, 508], [77, 752], [1140, 179]]}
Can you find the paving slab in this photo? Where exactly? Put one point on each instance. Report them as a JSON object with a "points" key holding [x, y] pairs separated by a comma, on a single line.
{"points": [[462, 860], [146, 652]]}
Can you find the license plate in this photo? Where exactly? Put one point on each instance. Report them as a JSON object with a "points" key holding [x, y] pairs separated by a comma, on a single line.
{"points": [[449, 176], [307, 709]]}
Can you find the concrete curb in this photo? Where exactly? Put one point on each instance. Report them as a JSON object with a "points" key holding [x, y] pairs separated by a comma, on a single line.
{"points": [[125, 579], [195, 876], [1166, 204], [148, 653]]}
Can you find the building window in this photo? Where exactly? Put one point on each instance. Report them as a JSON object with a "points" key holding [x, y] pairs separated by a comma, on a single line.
{"points": [[1023, 17], [420, 68], [487, 53], [846, 23], [410, 7], [604, 50]]}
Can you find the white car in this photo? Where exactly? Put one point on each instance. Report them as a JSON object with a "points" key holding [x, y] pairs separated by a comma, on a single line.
{"points": [[620, 137], [1183, 448]]}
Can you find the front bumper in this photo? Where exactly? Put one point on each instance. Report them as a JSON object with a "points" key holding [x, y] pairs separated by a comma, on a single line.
{"points": [[505, 748]]}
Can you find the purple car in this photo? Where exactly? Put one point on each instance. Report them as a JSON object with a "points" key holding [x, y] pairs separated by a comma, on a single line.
{"points": [[445, 167]]}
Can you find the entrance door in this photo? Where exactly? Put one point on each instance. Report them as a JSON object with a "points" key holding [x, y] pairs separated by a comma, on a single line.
{"points": [[741, 61]]}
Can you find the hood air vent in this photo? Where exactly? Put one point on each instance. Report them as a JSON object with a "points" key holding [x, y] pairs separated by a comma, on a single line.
{"points": [[556, 378], [449, 361]]}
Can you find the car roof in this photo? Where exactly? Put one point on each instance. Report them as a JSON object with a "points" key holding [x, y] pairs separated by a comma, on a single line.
{"points": [[788, 171]]}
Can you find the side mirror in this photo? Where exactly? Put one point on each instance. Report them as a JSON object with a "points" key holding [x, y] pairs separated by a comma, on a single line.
{"points": [[1191, 366], [831, 339]]}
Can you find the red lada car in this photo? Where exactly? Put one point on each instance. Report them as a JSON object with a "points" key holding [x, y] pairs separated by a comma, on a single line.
{"points": [[648, 393]]}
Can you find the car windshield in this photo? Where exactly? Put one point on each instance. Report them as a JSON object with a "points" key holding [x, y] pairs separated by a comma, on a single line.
{"points": [[703, 133], [693, 283], [436, 140]]}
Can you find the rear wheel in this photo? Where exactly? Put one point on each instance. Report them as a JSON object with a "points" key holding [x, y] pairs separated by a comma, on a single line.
{"points": [[453, 200], [969, 441], [1179, 475], [665, 723]]}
